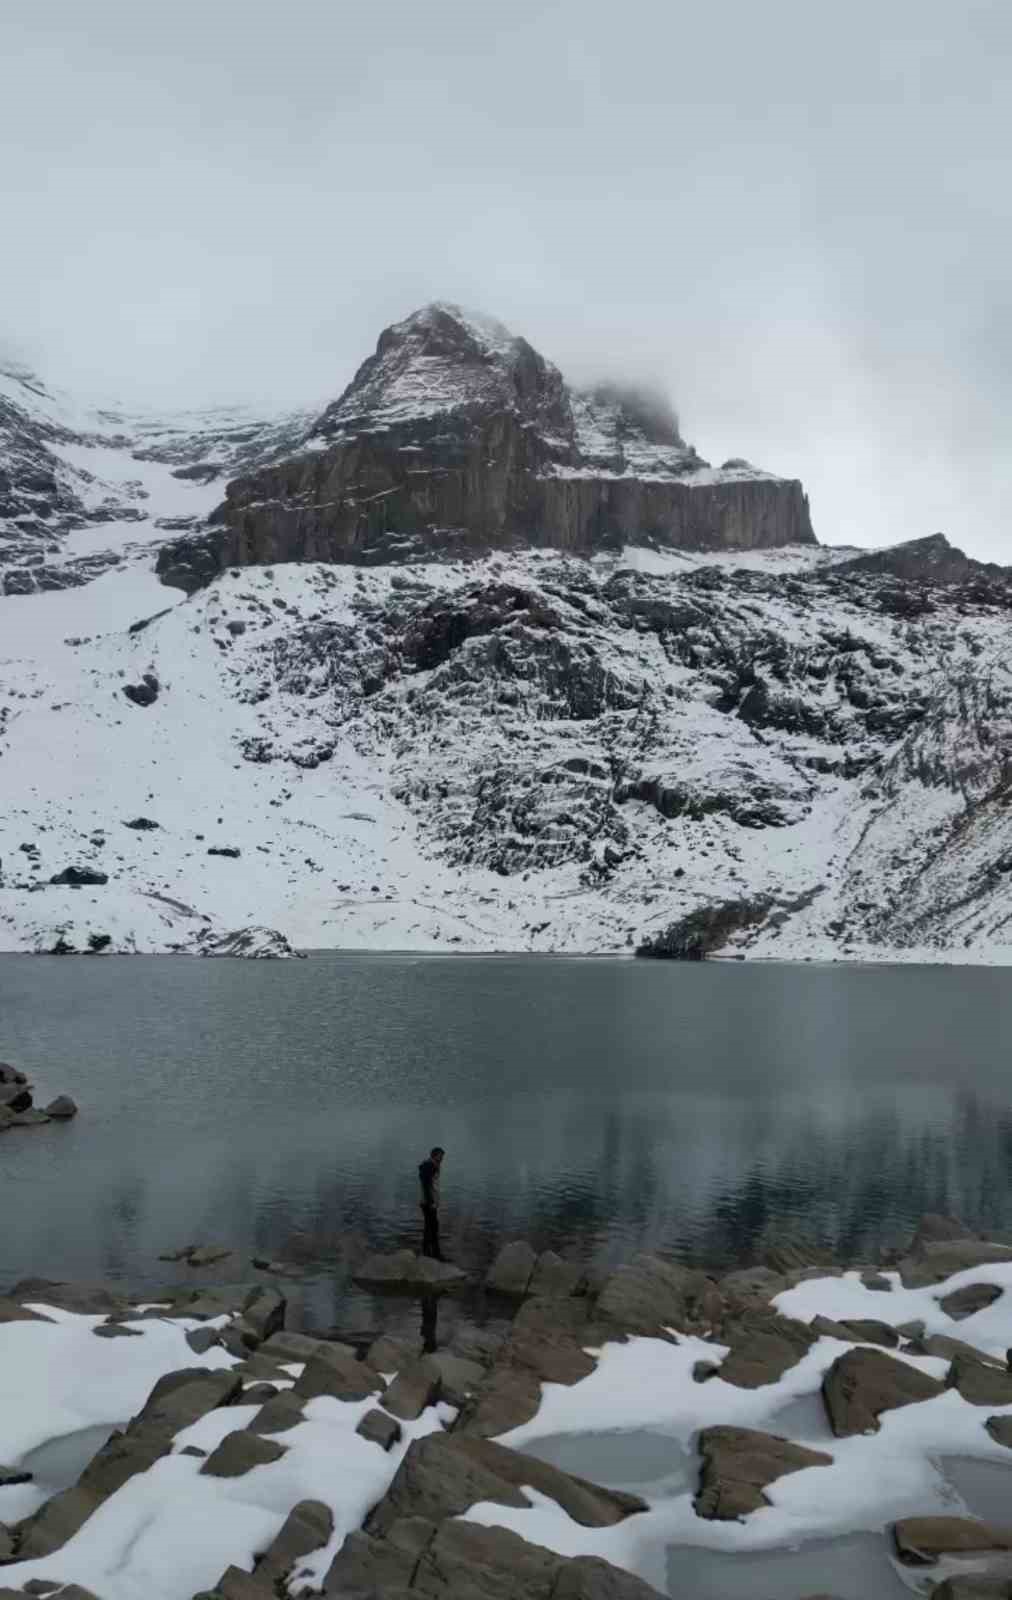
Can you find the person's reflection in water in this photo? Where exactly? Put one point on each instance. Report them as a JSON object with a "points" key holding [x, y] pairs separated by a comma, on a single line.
{"points": [[430, 1317]]}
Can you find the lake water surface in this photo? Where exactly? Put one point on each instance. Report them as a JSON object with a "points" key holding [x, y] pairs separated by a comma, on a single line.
{"points": [[594, 1106]]}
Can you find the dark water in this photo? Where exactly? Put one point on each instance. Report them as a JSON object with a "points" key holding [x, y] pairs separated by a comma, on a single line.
{"points": [[594, 1106]]}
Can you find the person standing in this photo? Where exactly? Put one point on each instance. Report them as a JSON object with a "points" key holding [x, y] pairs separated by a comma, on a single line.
{"points": [[428, 1177]]}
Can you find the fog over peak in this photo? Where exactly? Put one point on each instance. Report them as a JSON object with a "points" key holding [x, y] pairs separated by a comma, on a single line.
{"points": [[791, 221]]}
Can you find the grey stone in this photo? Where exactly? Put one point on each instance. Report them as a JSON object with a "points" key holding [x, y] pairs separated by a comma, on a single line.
{"points": [[979, 1382], [389, 1353], [512, 1269], [963, 1303], [934, 1228], [62, 1108], [863, 1383], [459, 1378], [738, 1463], [763, 1346], [11, 1476], [13, 1311], [404, 1270], [200, 1340], [9, 1074], [283, 1411], [264, 1311], [921, 1540], [380, 1429], [443, 1475], [116, 1330], [194, 1450], [788, 1255], [28, 1119], [88, 1299], [947, 1349], [258, 1394], [509, 1398], [752, 1283], [415, 1387], [308, 1527], [1000, 1429], [649, 1295], [290, 1348], [861, 1331], [335, 1370], [554, 1277], [240, 1452], [937, 1261]]}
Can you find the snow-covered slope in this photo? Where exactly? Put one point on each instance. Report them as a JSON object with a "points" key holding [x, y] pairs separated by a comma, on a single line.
{"points": [[524, 752], [79, 486]]}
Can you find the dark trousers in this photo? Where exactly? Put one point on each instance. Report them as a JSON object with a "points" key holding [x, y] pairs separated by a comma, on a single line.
{"points": [[430, 1232]]}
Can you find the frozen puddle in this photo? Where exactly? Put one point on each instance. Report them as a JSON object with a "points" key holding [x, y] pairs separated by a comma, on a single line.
{"points": [[984, 1486], [637, 1458], [855, 1567], [803, 1420], [57, 1464]]}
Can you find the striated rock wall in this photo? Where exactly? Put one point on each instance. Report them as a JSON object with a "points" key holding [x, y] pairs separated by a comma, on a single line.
{"points": [[457, 438]]}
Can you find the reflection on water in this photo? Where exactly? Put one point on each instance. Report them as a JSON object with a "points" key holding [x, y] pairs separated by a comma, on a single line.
{"points": [[595, 1107], [640, 1460], [855, 1567]]}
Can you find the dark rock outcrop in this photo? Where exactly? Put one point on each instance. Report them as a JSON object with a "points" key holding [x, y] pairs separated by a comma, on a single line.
{"points": [[457, 437], [862, 1384]]}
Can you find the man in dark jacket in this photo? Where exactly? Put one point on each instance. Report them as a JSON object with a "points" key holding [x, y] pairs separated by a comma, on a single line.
{"points": [[428, 1177]]}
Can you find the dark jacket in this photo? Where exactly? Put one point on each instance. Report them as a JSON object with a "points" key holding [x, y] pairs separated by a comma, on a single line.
{"points": [[428, 1177]]}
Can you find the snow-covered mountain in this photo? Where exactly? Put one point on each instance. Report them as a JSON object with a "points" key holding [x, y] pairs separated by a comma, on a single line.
{"points": [[481, 744]]}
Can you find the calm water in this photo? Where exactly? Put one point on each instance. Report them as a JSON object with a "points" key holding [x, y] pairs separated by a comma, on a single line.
{"points": [[594, 1106]]}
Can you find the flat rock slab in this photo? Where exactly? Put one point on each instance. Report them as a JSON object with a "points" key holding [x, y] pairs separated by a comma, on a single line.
{"points": [[308, 1527], [380, 1429], [764, 1345], [555, 1278], [946, 1348], [962, 1303], [459, 1378], [279, 1414], [738, 1463], [465, 1561], [512, 1269], [389, 1353], [649, 1295], [240, 1452], [289, 1347], [416, 1386], [936, 1261], [863, 1330], [404, 1270], [335, 1370], [444, 1475], [921, 1540], [861, 1384], [980, 1383]]}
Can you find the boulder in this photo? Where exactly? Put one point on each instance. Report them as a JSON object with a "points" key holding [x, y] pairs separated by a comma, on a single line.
{"points": [[258, 1394], [116, 1330], [934, 1228], [11, 1476], [861, 1331], [935, 1262], [86, 1299], [555, 1278], [380, 1429], [963, 1303], [649, 1296], [764, 1345], [283, 1411], [976, 1586], [512, 1269], [80, 877], [404, 1270], [752, 1283], [291, 1347], [13, 1311], [9, 1074], [863, 1383], [415, 1387], [979, 1382], [738, 1463], [459, 1378], [789, 1255], [62, 1108], [466, 1561], [509, 1398], [180, 1398], [200, 1340], [389, 1353], [308, 1527], [336, 1371], [946, 1348], [921, 1540], [444, 1474], [1000, 1429], [263, 1312], [240, 1452], [14, 1097]]}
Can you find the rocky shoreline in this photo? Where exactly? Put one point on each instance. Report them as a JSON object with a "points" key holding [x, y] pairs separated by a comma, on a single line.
{"points": [[391, 1466]]}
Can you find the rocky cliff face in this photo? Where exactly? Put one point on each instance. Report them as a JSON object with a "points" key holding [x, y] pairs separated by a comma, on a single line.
{"points": [[456, 437]]}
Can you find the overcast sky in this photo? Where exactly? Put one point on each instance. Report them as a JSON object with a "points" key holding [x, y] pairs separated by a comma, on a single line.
{"points": [[796, 215]]}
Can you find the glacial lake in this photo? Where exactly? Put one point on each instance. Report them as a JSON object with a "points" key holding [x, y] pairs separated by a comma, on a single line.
{"points": [[594, 1106]]}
